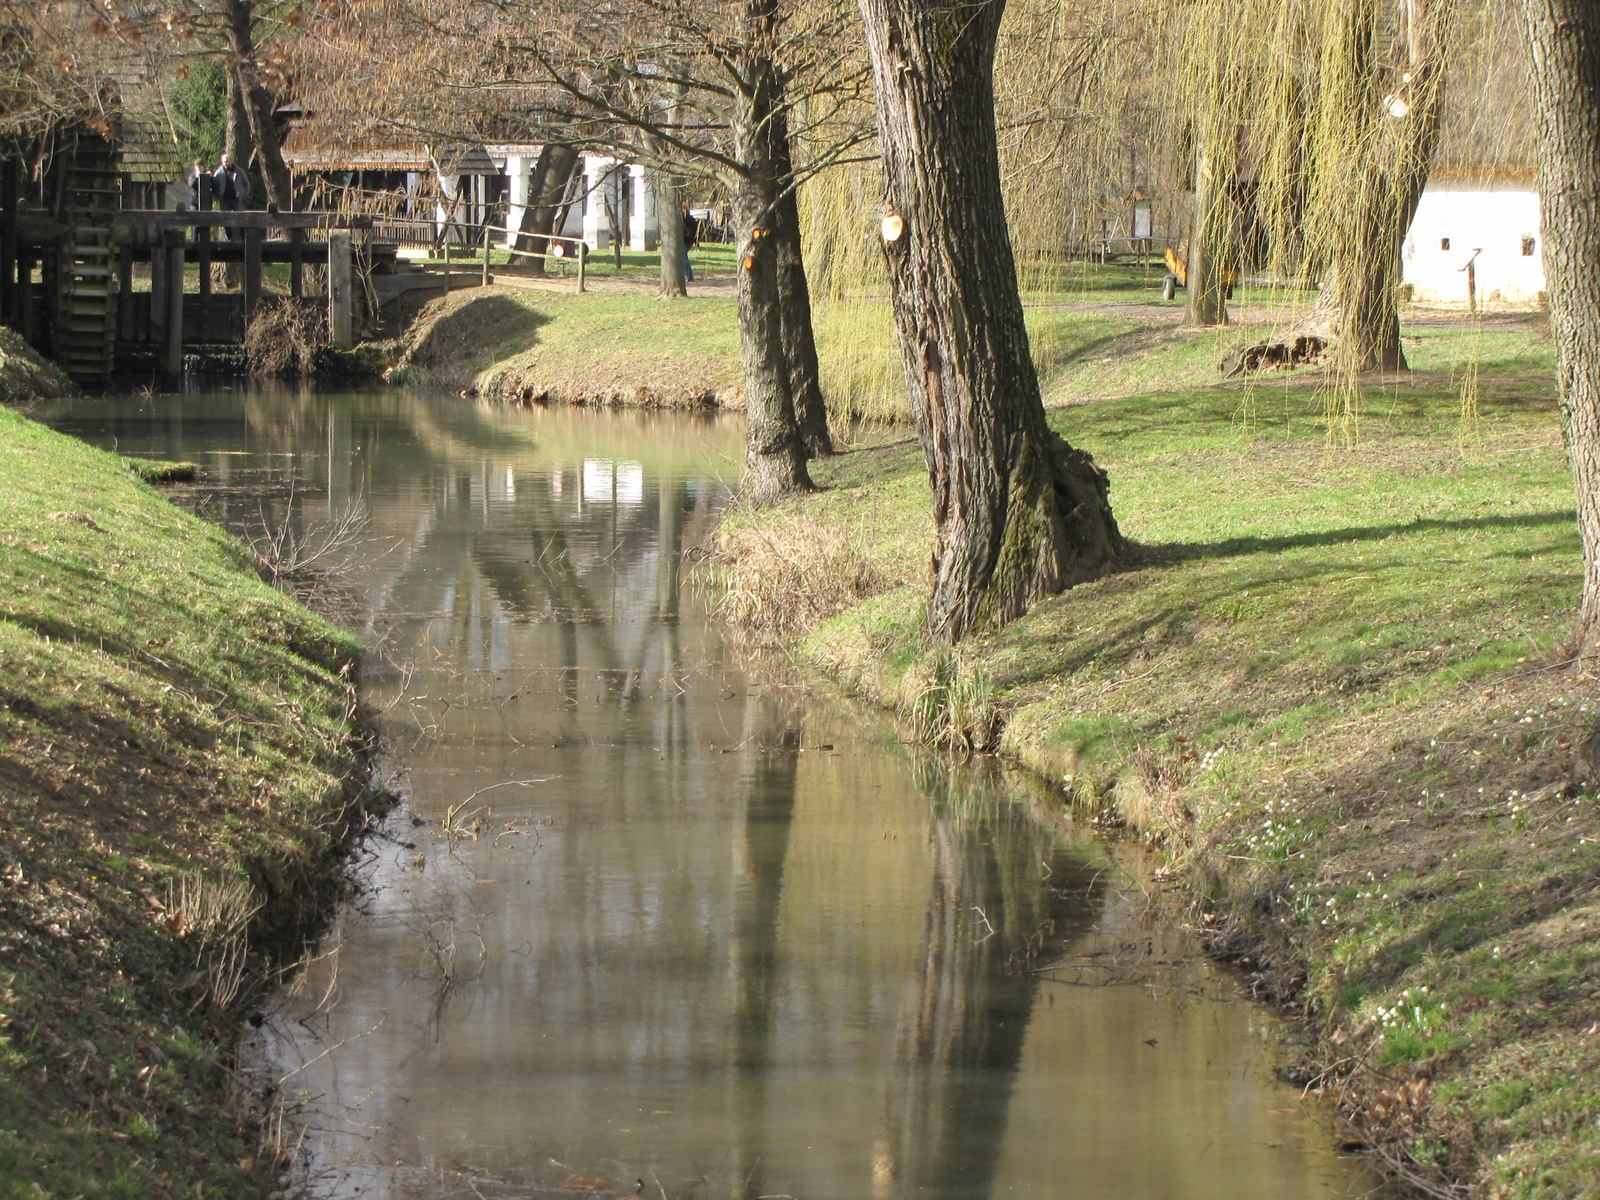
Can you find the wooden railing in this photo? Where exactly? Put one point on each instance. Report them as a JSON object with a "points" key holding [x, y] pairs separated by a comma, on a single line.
{"points": [[559, 245]]}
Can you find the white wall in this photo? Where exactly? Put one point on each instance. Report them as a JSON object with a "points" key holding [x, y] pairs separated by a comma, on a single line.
{"points": [[1486, 218]]}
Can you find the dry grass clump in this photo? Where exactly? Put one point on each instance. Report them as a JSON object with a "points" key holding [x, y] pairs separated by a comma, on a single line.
{"points": [[784, 578], [285, 337], [954, 706]]}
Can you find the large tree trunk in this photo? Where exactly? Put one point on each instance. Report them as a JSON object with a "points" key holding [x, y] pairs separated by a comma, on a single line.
{"points": [[794, 294], [669, 227], [1018, 513], [775, 452], [552, 173], [1204, 286], [1394, 134], [257, 106], [236, 138], [1564, 36]]}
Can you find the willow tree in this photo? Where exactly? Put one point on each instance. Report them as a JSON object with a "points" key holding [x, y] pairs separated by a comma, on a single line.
{"points": [[1564, 43], [1335, 105], [1018, 513]]}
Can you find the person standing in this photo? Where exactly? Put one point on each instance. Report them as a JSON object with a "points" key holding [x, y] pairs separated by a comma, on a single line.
{"points": [[231, 187], [691, 234], [195, 172]]}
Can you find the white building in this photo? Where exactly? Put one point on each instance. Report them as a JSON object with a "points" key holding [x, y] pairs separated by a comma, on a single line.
{"points": [[475, 184], [602, 190], [1487, 219]]}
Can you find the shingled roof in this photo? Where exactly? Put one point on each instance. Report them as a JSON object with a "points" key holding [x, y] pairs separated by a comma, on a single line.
{"points": [[147, 139]]}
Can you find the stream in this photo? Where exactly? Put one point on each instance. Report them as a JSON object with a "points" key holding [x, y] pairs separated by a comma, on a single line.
{"points": [[655, 921]]}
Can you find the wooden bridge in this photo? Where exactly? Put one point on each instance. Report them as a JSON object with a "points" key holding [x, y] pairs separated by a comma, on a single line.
{"points": [[96, 283], [69, 276]]}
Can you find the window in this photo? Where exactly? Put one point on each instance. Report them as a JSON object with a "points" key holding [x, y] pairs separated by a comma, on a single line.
{"points": [[1444, 243], [1527, 245]]}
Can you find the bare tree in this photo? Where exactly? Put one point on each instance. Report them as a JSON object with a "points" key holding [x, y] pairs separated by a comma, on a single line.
{"points": [[711, 90], [1018, 513]]}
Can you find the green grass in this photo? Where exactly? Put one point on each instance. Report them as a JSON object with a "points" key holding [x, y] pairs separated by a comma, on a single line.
{"points": [[163, 716], [595, 346], [1329, 681]]}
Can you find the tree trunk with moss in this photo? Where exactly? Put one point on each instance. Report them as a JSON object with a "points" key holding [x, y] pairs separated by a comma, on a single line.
{"points": [[1205, 289], [1018, 513], [552, 172], [794, 294], [669, 226], [1383, 120], [255, 104], [1564, 37], [775, 450]]}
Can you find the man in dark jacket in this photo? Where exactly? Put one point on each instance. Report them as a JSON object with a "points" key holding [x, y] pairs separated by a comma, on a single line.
{"points": [[231, 187], [691, 234]]}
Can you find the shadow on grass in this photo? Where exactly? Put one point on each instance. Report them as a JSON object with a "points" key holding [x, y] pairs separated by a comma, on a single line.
{"points": [[490, 327], [1172, 552], [1047, 654]]}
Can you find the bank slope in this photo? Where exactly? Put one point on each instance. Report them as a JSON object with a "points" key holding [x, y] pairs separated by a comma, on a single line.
{"points": [[1330, 680], [176, 757]]}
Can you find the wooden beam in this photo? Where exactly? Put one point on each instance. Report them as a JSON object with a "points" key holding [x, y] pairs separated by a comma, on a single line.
{"points": [[202, 238], [160, 219], [8, 241], [125, 293], [297, 259], [172, 350], [159, 278], [30, 326], [341, 294], [252, 272]]}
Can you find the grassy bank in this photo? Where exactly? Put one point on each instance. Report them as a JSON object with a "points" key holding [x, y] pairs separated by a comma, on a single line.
{"points": [[565, 348], [176, 757], [1330, 680]]}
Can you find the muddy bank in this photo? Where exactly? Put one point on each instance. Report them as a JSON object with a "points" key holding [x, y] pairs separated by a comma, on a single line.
{"points": [[181, 770], [599, 348]]}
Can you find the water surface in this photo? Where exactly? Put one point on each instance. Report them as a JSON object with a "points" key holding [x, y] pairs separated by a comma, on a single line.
{"points": [[655, 923]]}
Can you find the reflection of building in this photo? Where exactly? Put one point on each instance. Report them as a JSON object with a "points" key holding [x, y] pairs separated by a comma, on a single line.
{"points": [[606, 481], [467, 185], [1487, 218]]}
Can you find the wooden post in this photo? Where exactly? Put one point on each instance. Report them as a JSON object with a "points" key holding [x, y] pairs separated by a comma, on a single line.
{"points": [[252, 271], [202, 239], [341, 322], [583, 257], [485, 280], [447, 260], [297, 263], [30, 329], [158, 293], [125, 292], [8, 242], [172, 351]]}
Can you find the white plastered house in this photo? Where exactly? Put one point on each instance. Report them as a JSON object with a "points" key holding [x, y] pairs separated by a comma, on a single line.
{"points": [[1488, 217]]}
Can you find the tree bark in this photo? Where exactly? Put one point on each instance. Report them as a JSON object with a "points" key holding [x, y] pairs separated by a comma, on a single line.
{"points": [[256, 105], [794, 295], [775, 452], [1018, 513], [669, 228], [1564, 39], [1388, 171], [552, 173], [236, 138], [1204, 289]]}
